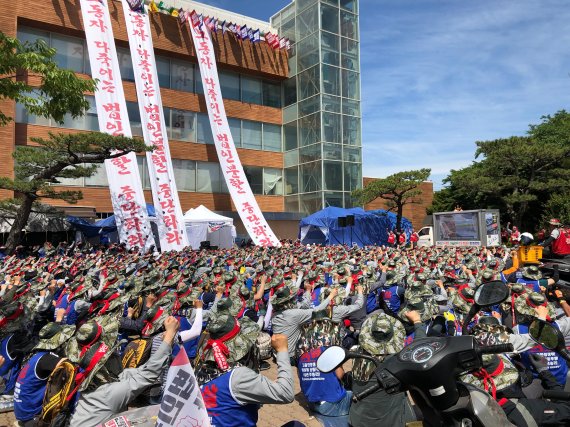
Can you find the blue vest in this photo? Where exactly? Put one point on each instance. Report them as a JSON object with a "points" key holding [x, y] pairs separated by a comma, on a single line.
{"points": [[556, 364], [71, 314], [533, 285], [62, 304], [9, 370], [315, 296], [191, 346], [391, 298], [29, 390], [371, 302], [315, 385], [223, 409]]}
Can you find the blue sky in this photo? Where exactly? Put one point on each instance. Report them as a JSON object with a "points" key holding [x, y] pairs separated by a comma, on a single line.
{"points": [[438, 75]]}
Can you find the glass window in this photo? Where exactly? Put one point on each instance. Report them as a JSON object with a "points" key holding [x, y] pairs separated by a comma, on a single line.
{"points": [[331, 103], [91, 118], [350, 107], [182, 76], [332, 151], [143, 171], [348, 25], [251, 135], [99, 178], [272, 182], [334, 199], [292, 204], [309, 83], [183, 125], [69, 52], [310, 153], [204, 129], [235, 129], [184, 174], [135, 118], [291, 158], [348, 5], [271, 94], [330, 48], [307, 22], [331, 80], [125, 64], [301, 4], [329, 18], [310, 129], [350, 86], [163, 71], [349, 54], [352, 176], [290, 91], [309, 105], [290, 135], [333, 175], [291, 180], [26, 34], [352, 154], [350, 130], [254, 176], [310, 177], [310, 203], [308, 52], [288, 30], [229, 85], [331, 127], [22, 115], [333, 2], [250, 90], [208, 177], [271, 137]]}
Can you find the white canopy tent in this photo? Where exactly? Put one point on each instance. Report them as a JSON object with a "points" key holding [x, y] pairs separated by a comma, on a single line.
{"points": [[202, 224]]}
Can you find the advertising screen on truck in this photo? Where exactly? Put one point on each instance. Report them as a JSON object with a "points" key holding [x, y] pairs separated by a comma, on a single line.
{"points": [[458, 226]]}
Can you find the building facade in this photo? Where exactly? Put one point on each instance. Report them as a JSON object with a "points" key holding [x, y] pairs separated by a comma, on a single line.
{"points": [[322, 141], [290, 176]]}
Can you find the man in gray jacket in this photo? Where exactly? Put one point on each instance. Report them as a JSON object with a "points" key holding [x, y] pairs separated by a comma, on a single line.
{"points": [[97, 406]]}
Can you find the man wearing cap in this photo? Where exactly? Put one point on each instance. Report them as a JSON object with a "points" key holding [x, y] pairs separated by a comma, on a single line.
{"points": [[559, 240], [288, 319], [532, 278], [32, 380]]}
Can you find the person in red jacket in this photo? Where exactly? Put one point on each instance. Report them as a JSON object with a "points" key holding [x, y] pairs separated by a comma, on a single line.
{"points": [[391, 238], [402, 239], [414, 237]]}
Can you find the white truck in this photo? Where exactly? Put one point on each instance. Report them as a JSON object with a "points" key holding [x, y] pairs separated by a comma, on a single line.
{"points": [[479, 227]]}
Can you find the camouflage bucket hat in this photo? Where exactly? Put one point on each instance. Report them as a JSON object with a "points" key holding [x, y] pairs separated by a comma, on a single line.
{"points": [[391, 278], [524, 304], [100, 329], [426, 307], [320, 332], [488, 334], [225, 331], [499, 367], [418, 289], [532, 272], [462, 299], [153, 320], [282, 297], [382, 335], [12, 317], [54, 335], [488, 276]]}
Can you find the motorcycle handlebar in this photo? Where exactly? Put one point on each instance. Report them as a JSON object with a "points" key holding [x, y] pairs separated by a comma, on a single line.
{"points": [[556, 394], [363, 394], [495, 349]]}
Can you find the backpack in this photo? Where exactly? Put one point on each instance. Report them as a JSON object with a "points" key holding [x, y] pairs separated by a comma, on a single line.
{"points": [[59, 392], [136, 353], [318, 333]]}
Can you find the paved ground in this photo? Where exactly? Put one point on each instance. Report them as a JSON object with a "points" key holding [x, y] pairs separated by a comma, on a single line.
{"points": [[269, 416]]}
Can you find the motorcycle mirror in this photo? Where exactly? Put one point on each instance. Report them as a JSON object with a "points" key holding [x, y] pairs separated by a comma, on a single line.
{"points": [[330, 359], [546, 334], [491, 293]]}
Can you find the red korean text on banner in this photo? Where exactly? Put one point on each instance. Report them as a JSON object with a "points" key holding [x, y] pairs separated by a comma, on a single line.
{"points": [[237, 183], [125, 185], [169, 217]]}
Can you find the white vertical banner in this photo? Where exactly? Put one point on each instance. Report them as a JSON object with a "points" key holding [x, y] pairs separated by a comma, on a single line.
{"points": [[240, 191], [125, 185], [169, 217]]}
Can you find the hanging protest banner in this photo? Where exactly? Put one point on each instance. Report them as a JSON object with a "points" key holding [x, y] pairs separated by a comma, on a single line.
{"points": [[169, 217], [182, 403], [235, 178], [125, 185]]}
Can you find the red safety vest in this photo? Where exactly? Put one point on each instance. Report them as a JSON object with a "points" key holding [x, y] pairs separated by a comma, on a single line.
{"points": [[561, 246]]}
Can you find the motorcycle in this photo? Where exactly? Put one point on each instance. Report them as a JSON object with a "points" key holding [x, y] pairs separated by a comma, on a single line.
{"points": [[428, 368]]}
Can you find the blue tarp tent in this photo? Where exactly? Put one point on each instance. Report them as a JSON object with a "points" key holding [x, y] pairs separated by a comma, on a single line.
{"points": [[322, 228], [406, 225], [102, 226]]}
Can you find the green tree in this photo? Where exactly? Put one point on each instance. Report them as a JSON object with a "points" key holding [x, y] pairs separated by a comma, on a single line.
{"points": [[59, 156], [398, 190], [60, 91], [558, 206]]}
